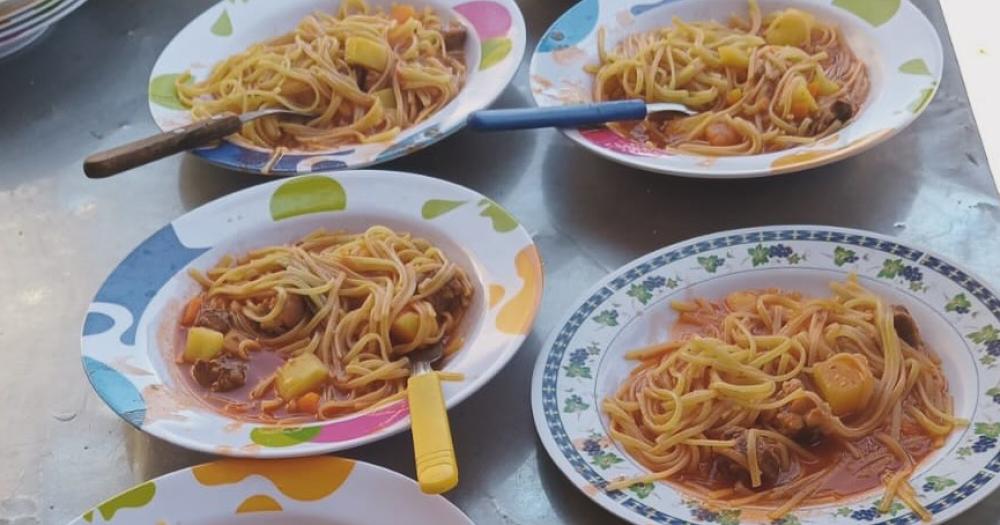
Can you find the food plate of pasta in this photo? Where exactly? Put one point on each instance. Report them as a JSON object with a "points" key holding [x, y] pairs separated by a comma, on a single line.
{"points": [[371, 79], [778, 375], [280, 320], [777, 86]]}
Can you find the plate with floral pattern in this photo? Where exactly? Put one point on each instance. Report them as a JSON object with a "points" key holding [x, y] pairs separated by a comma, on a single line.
{"points": [[895, 40], [315, 491], [583, 362], [128, 342], [493, 53]]}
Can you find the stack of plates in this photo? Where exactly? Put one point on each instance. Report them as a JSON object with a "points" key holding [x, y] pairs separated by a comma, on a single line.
{"points": [[24, 21]]}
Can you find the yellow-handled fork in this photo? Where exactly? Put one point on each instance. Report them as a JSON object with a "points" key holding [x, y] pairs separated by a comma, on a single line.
{"points": [[437, 469]]}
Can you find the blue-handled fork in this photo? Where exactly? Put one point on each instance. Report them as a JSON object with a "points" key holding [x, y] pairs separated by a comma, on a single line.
{"points": [[570, 116]]}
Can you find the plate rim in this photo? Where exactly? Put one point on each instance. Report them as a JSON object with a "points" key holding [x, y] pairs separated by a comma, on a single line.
{"points": [[170, 479], [619, 509]]}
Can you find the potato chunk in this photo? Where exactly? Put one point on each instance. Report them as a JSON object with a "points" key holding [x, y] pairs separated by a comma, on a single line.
{"points": [[845, 382], [202, 343], [790, 28], [299, 375], [361, 51]]}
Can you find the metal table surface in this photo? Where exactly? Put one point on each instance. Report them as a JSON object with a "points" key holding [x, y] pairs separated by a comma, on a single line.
{"points": [[83, 88]]}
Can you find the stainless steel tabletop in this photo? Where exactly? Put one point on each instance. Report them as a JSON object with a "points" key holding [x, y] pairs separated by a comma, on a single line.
{"points": [[83, 88]]}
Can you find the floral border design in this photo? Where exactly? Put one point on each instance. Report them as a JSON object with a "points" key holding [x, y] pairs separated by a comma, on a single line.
{"points": [[902, 265]]}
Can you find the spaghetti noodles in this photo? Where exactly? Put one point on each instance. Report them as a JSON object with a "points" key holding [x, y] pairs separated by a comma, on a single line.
{"points": [[361, 75], [774, 400], [321, 327], [767, 84]]}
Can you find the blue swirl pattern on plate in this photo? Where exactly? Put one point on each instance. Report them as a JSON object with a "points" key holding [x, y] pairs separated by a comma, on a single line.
{"points": [[119, 393], [571, 28], [231, 155], [637, 10], [137, 279]]}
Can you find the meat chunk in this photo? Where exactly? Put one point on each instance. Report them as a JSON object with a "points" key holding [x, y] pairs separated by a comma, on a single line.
{"points": [[768, 458], [906, 326], [219, 375], [454, 37], [451, 298], [789, 419], [361, 77], [842, 110], [721, 134], [215, 319], [293, 312]]}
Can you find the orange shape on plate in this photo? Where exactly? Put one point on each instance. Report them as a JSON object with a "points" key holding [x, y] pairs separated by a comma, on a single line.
{"points": [[259, 503], [496, 294], [515, 316], [303, 479]]}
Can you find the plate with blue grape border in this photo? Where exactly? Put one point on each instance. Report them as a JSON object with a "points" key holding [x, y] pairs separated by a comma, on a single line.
{"points": [[493, 52], [583, 361]]}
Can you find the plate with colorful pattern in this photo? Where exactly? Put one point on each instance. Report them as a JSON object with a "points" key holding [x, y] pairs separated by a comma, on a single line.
{"points": [[493, 53], [315, 491], [896, 41], [128, 355], [583, 362]]}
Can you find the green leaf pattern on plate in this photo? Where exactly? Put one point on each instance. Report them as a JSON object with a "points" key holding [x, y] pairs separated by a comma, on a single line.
{"points": [[986, 334], [905, 273], [135, 497], [875, 12], [163, 91], [842, 256], [959, 304], [921, 102], [223, 26], [938, 483], [493, 51], [915, 66], [503, 221], [435, 208], [711, 263], [574, 403], [607, 317], [594, 446], [641, 490], [309, 194]]}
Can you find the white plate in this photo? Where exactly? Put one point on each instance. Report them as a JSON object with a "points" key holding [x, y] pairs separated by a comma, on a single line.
{"points": [[583, 361], [892, 37], [41, 19], [306, 491], [493, 52], [129, 359]]}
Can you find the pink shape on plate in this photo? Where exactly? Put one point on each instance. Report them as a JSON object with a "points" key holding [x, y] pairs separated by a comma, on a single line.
{"points": [[364, 424], [608, 139], [490, 19]]}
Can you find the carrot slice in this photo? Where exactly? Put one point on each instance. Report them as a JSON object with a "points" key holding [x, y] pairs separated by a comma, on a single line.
{"points": [[402, 12], [191, 311], [308, 403]]}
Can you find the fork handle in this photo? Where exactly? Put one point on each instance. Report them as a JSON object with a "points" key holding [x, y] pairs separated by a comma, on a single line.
{"points": [[437, 468], [557, 116], [156, 147]]}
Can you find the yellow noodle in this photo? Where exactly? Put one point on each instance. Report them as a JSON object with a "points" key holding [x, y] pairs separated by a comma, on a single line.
{"points": [[717, 393], [308, 70], [768, 100]]}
